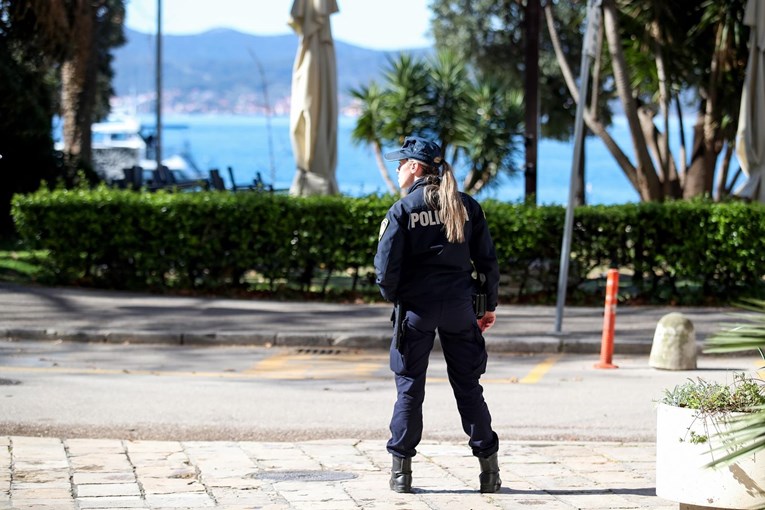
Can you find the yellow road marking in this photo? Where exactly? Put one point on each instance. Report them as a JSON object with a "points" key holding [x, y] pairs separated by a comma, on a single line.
{"points": [[277, 367], [310, 366], [540, 370], [292, 367]]}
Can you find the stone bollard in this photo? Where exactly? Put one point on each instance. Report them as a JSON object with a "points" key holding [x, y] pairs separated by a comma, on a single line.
{"points": [[674, 343]]}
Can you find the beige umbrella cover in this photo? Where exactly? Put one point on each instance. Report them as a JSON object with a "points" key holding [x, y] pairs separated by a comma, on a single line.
{"points": [[313, 114], [750, 148]]}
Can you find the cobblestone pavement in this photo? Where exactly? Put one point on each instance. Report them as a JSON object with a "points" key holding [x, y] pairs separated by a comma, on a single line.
{"points": [[74, 474]]}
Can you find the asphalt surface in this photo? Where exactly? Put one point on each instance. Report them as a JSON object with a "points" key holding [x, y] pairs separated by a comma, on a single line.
{"points": [[65, 473], [73, 314]]}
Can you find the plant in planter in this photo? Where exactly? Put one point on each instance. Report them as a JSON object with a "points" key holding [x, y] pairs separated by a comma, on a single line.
{"points": [[749, 432], [709, 435], [693, 425]]}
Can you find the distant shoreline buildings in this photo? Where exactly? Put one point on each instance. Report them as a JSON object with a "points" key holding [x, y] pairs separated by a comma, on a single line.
{"points": [[217, 72], [205, 102]]}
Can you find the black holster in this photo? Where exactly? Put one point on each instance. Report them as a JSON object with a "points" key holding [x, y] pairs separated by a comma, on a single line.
{"points": [[399, 313], [479, 298]]}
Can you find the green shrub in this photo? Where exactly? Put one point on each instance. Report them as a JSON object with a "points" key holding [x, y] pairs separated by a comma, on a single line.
{"points": [[744, 395], [675, 252]]}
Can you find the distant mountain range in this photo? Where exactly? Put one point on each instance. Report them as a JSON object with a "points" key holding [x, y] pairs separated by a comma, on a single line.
{"points": [[217, 71]]}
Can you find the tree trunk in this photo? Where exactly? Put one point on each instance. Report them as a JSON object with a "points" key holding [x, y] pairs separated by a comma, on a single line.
{"points": [[663, 153], [589, 118], [732, 184], [657, 143], [470, 182], [71, 89], [472, 187], [706, 148], [648, 182], [580, 192], [683, 151], [694, 177], [532, 99], [477, 178], [706, 144], [722, 178], [383, 169], [596, 70], [78, 87]]}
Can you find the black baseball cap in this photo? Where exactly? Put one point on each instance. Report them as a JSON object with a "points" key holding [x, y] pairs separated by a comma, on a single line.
{"points": [[420, 149]]}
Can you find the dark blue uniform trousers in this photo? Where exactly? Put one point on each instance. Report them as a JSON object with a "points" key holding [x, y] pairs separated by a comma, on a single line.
{"points": [[465, 353]]}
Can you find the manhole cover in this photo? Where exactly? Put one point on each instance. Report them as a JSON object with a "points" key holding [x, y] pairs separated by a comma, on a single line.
{"points": [[324, 351], [9, 382], [304, 476]]}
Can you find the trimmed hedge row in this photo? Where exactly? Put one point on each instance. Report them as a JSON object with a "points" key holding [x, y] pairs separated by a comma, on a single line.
{"points": [[131, 240], [684, 251], [678, 251]]}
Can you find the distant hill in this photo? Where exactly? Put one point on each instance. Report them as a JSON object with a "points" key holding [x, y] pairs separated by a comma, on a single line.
{"points": [[216, 71]]}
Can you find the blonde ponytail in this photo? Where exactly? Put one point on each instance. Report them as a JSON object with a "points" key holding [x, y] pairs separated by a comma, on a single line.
{"points": [[445, 197]]}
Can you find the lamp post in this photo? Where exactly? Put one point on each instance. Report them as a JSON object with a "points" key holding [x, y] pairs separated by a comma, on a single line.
{"points": [[531, 137], [593, 27], [158, 71]]}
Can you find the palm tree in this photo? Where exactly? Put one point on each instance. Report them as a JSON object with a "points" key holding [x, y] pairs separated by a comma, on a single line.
{"points": [[657, 49], [80, 34], [369, 126], [473, 117], [492, 133], [648, 181], [449, 105], [406, 107], [389, 115], [77, 85]]}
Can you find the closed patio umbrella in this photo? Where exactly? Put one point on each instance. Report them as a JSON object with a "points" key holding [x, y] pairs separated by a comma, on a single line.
{"points": [[750, 147], [313, 114]]}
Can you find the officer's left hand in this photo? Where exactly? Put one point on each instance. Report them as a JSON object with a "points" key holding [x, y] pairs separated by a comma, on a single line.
{"points": [[487, 321]]}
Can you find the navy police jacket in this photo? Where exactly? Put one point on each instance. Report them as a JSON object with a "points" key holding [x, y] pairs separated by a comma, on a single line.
{"points": [[414, 260]]}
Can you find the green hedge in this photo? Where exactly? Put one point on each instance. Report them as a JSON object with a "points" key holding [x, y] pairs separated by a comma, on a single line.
{"points": [[676, 252], [682, 252], [123, 239]]}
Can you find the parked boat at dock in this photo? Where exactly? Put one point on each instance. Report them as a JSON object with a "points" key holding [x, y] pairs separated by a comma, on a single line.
{"points": [[121, 141]]}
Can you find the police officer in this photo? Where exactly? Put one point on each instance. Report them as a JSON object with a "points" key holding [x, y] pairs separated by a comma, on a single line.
{"points": [[430, 243]]}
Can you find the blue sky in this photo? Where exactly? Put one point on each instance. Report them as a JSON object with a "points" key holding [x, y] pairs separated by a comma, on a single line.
{"points": [[378, 24]]}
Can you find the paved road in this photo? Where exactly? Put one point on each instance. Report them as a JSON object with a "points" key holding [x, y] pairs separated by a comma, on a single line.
{"points": [[326, 406], [304, 429], [30, 312], [74, 389]]}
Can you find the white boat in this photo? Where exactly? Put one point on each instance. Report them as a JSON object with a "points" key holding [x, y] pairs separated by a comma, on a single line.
{"points": [[119, 143]]}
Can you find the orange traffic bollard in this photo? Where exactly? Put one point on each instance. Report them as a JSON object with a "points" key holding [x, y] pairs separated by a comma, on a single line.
{"points": [[609, 321]]}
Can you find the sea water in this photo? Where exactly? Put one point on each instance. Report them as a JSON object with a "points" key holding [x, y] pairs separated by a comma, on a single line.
{"points": [[256, 145]]}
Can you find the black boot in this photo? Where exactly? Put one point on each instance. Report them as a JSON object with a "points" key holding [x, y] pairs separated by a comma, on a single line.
{"points": [[401, 474], [489, 478]]}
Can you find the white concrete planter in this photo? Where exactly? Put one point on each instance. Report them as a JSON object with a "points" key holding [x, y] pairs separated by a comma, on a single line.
{"points": [[681, 474]]}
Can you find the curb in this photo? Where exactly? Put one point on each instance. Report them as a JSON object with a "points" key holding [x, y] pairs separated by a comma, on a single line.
{"points": [[359, 340]]}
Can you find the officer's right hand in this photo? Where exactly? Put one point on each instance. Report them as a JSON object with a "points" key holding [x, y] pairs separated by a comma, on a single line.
{"points": [[487, 321]]}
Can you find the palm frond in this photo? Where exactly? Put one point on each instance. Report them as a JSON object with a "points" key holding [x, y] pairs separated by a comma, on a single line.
{"points": [[747, 433], [742, 336], [745, 437]]}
